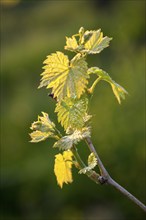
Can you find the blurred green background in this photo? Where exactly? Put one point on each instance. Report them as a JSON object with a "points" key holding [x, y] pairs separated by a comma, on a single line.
{"points": [[30, 30]]}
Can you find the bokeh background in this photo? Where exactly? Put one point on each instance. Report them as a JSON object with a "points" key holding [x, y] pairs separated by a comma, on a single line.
{"points": [[30, 30]]}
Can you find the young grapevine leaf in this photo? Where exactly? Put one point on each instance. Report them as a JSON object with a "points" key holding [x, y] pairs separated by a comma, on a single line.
{"points": [[96, 43], [89, 42], [43, 128], [66, 78], [62, 168], [92, 162], [71, 44], [72, 112], [68, 141], [118, 90], [101, 73]]}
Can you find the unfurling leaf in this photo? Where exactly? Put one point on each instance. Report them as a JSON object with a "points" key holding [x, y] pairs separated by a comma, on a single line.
{"points": [[100, 73], [92, 162], [43, 128], [62, 168], [71, 43], [66, 78], [118, 90], [72, 112], [89, 42], [96, 42], [68, 141]]}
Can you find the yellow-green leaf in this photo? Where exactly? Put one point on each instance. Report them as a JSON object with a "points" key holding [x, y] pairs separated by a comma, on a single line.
{"points": [[72, 112], [101, 73], [92, 162], [68, 141], [118, 90], [71, 44], [43, 128], [96, 42], [62, 168], [66, 78], [89, 42]]}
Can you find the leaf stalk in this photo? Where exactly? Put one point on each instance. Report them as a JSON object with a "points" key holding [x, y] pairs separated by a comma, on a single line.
{"points": [[91, 89]]}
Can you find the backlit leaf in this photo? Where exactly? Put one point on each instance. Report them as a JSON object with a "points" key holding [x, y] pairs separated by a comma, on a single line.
{"points": [[71, 44], [66, 78], [118, 90], [62, 168], [72, 112], [43, 128], [89, 42], [92, 162], [68, 141], [97, 42], [95, 70]]}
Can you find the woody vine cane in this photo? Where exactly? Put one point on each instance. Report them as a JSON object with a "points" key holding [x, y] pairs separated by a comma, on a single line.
{"points": [[68, 83]]}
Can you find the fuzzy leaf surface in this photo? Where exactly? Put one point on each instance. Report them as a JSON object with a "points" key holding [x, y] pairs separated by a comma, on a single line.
{"points": [[92, 162], [72, 112], [68, 141], [43, 128], [71, 44], [62, 168], [66, 78], [97, 42], [89, 42]]}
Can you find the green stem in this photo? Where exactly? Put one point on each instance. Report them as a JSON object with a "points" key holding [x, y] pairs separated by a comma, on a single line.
{"points": [[58, 133], [78, 158], [91, 174], [91, 89]]}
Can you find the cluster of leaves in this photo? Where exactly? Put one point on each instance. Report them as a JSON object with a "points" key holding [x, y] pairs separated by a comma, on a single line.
{"points": [[68, 81]]}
